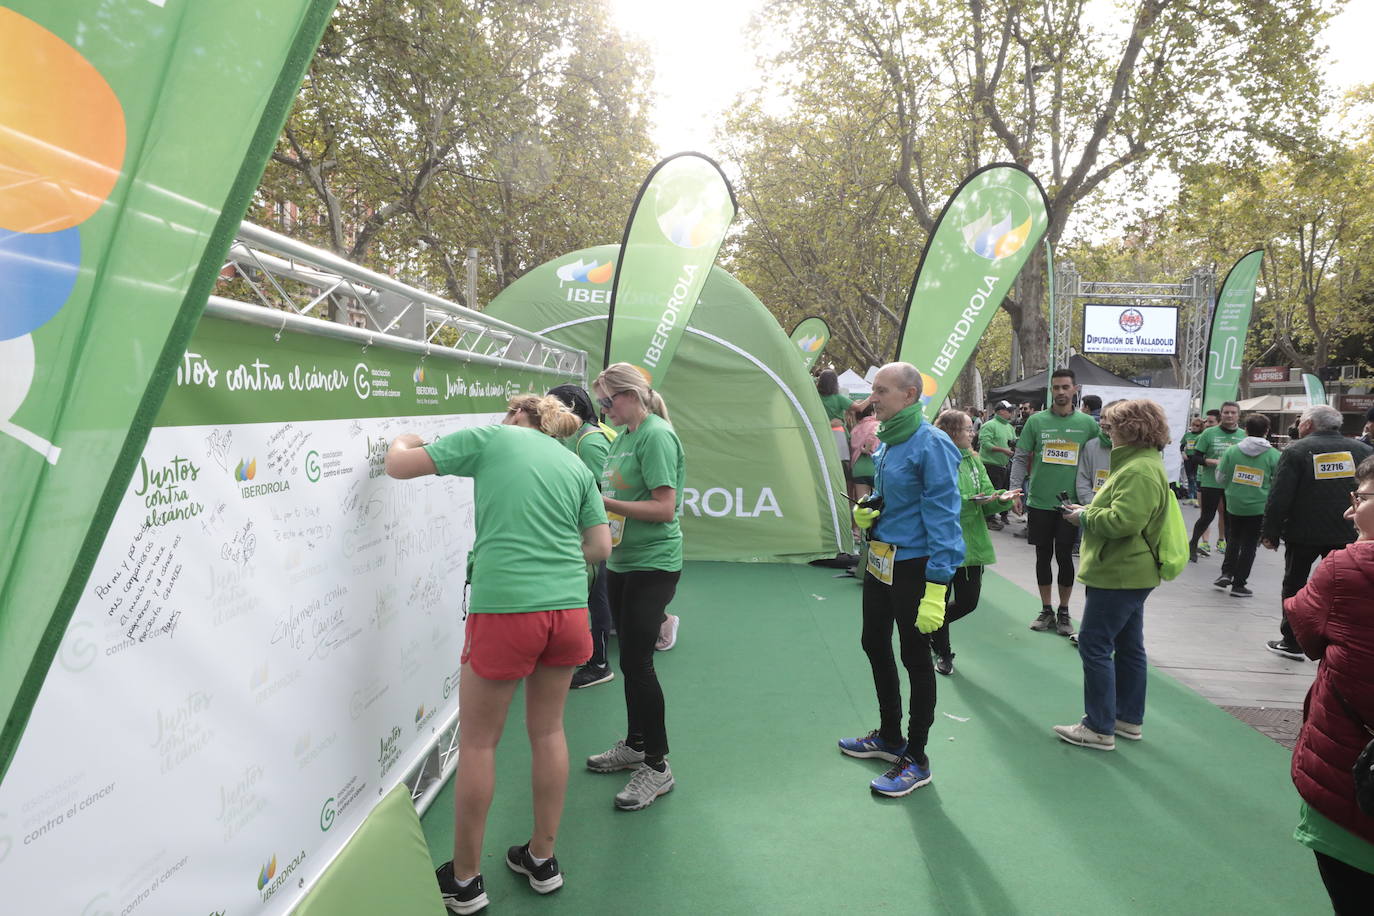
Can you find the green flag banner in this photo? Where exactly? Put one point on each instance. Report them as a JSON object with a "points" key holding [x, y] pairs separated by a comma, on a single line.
{"points": [[987, 230], [132, 137], [671, 240], [810, 337], [1226, 341], [1316, 391]]}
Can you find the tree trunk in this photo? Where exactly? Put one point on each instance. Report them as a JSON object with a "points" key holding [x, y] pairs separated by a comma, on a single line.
{"points": [[1027, 318]]}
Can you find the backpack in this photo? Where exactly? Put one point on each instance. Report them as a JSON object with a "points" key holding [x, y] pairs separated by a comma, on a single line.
{"points": [[1172, 555], [601, 428]]}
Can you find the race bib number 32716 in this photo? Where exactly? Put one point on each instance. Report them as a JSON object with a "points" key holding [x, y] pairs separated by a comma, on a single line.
{"points": [[1330, 465]]}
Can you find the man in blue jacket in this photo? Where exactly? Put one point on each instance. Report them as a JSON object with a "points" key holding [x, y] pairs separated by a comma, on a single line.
{"points": [[915, 546]]}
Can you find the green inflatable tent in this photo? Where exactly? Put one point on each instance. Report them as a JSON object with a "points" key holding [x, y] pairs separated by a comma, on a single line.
{"points": [[764, 480]]}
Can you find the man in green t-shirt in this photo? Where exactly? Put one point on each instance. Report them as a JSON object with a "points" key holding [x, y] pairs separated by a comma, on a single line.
{"points": [[1211, 445], [1053, 439], [996, 440]]}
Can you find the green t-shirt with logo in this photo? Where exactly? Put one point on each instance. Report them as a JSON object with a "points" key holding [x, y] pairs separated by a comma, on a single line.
{"points": [[1213, 442], [996, 432], [533, 500], [1055, 444], [639, 462]]}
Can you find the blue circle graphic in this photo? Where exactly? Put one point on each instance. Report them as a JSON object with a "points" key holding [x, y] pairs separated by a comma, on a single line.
{"points": [[37, 274]]}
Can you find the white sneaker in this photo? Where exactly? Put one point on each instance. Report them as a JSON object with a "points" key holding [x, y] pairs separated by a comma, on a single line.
{"points": [[667, 633], [1128, 730], [1081, 735], [646, 785]]}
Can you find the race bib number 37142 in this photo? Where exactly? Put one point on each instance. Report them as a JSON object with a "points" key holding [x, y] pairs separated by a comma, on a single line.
{"points": [[1330, 465]]}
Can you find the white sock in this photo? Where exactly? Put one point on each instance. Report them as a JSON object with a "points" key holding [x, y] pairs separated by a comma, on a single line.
{"points": [[465, 883], [538, 861]]}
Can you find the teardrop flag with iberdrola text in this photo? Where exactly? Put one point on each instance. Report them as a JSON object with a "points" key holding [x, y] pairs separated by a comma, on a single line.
{"points": [[987, 230], [133, 135], [671, 240]]}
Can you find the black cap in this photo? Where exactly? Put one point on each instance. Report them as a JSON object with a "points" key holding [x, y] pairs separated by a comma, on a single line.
{"points": [[577, 400]]}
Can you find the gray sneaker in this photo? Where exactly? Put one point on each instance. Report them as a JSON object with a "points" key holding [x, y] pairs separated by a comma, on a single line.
{"points": [[620, 757], [1063, 625], [644, 786], [1043, 622]]}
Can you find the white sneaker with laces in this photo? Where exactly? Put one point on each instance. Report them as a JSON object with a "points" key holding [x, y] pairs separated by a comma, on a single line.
{"points": [[1081, 735]]}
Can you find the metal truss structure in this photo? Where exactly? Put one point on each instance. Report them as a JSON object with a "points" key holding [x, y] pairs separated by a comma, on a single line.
{"points": [[293, 278], [1195, 297]]}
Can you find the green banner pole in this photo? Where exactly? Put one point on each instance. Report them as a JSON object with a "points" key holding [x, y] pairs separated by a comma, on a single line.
{"points": [[810, 337], [1316, 391], [1226, 339], [987, 230], [1049, 278]]}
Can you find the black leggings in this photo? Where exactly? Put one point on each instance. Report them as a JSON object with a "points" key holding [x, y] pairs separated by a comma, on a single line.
{"points": [[883, 606], [599, 613], [1351, 889], [638, 601], [1211, 501], [1060, 550], [961, 600]]}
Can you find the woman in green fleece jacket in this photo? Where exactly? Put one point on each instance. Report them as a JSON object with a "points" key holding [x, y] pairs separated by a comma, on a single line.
{"points": [[977, 502], [1121, 530]]}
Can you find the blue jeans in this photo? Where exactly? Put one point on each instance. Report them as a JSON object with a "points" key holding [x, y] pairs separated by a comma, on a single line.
{"points": [[1113, 687]]}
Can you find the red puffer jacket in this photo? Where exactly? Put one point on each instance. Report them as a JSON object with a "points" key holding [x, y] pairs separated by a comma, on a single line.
{"points": [[1333, 617]]}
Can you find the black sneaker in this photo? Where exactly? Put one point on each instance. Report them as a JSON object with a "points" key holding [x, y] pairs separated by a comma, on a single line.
{"points": [[1240, 591], [545, 879], [944, 664], [1223, 582], [459, 899], [591, 675], [1279, 647]]}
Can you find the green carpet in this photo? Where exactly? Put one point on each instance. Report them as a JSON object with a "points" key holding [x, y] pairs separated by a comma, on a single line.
{"points": [[768, 816]]}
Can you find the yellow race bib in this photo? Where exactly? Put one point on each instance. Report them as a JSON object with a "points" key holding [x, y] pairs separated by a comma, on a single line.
{"points": [[880, 559], [1100, 478], [1330, 465], [617, 527], [1250, 477], [1060, 451]]}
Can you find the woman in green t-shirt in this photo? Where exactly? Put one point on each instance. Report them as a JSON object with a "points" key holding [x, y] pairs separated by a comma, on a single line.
{"points": [[642, 489], [828, 387], [539, 520]]}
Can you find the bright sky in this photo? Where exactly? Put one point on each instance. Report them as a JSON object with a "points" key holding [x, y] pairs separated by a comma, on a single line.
{"points": [[702, 60]]}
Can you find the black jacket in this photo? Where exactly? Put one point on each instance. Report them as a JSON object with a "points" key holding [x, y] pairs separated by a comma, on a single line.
{"points": [[1303, 509]]}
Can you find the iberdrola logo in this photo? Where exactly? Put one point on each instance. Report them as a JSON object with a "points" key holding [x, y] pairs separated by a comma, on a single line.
{"points": [[581, 271], [420, 713], [810, 344], [268, 872], [246, 472], [418, 375], [928, 389], [1002, 226], [692, 206]]}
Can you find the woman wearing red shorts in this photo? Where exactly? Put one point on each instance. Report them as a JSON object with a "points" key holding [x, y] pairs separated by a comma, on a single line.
{"points": [[539, 520]]}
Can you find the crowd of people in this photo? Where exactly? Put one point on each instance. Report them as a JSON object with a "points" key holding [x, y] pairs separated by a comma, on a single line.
{"points": [[577, 500], [1090, 478]]}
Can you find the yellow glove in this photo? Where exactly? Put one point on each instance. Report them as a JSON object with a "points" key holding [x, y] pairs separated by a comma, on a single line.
{"points": [[864, 517], [930, 613]]}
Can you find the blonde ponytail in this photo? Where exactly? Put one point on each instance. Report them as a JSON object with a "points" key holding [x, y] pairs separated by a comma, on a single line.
{"points": [[547, 414], [621, 377]]}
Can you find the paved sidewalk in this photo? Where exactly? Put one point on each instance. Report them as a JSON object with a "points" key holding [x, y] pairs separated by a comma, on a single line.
{"points": [[1202, 636]]}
